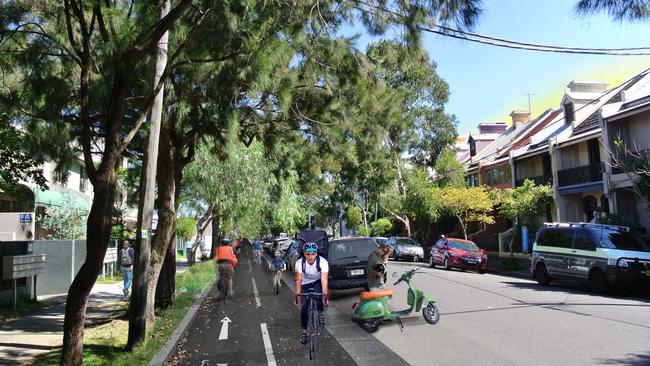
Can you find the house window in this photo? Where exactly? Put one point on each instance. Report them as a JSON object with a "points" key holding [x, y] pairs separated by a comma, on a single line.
{"points": [[569, 112], [82, 179]]}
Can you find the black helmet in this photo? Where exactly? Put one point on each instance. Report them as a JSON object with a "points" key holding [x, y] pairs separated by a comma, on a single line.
{"points": [[224, 241]]}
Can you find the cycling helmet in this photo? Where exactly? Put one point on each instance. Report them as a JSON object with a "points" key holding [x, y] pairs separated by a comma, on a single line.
{"points": [[224, 241], [277, 252], [310, 247]]}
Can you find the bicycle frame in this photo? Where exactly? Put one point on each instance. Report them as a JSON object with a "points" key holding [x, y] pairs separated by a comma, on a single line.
{"points": [[312, 315]]}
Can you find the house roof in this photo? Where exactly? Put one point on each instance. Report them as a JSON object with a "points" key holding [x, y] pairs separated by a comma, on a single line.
{"points": [[586, 117], [636, 96]]}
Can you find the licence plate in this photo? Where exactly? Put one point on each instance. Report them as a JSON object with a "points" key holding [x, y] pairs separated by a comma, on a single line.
{"points": [[356, 272], [471, 261]]}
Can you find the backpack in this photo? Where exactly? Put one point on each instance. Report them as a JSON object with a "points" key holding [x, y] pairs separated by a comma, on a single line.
{"points": [[126, 258], [315, 236]]}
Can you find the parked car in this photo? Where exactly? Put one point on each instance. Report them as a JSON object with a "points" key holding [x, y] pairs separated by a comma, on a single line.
{"points": [[281, 244], [599, 255], [380, 240], [347, 259], [293, 249], [405, 248], [458, 253]]}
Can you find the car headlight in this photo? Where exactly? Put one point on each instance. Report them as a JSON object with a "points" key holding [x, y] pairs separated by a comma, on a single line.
{"points": [[619, 262]]}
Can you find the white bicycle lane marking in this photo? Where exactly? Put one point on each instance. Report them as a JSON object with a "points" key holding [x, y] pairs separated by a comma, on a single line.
{"points": [[257, 295], [270, 358]]}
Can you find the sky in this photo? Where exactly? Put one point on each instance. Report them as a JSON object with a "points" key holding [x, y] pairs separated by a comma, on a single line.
{"points": [[487, 82]]}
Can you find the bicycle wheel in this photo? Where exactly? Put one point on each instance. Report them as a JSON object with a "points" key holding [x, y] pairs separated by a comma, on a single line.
{"points": [[276, 282], [223, 286], [312, 328]]}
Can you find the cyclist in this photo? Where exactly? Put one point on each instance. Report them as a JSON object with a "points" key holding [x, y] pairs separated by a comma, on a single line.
{"points": [[311, 276], [226, 260], [277, 263], [257, 251]]}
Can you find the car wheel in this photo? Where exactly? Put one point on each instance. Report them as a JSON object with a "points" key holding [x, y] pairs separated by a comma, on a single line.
{"points": [[542, 276], [597, 282], [482, 271], [445, 264], [431, 264]]}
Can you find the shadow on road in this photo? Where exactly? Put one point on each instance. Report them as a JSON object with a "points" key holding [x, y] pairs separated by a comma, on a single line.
{"points": [[574, 288], [633, 359]]}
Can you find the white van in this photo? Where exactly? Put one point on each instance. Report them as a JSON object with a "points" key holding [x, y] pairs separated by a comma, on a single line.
{"points": [[600, 255]]}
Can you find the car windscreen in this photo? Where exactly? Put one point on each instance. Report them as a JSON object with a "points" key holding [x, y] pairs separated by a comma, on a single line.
{"points": [[463, 245], [624, 241], [407, 241], [349, 249], [380, 240]]}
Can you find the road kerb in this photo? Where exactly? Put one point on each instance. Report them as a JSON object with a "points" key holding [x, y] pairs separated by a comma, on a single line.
{"points": [[171, 343]]}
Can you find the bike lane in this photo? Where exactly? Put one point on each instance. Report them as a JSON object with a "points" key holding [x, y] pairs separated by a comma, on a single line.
{"points": [[262, 328]]}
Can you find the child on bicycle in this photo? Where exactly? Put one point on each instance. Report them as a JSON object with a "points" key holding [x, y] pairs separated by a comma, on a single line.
{"points": [[277, 263], [227, 262], [311, 276], [257, 252]]}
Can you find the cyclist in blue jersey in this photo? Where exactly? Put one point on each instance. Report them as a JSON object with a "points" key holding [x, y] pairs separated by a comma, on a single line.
{"points": [[257, 252], [277, 263]]}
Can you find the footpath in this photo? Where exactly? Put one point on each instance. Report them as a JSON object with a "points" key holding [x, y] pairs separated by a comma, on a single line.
{"points": [[27, 336]]}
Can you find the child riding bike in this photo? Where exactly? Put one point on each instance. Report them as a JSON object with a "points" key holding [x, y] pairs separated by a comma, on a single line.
{"points": [[257, 252], [277, 265]]}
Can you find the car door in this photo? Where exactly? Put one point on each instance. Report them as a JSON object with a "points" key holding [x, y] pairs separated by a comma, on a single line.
{"points": [[583, 255]]}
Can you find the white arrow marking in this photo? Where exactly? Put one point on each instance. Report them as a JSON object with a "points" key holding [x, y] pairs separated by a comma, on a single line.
{"points": [[250, 266], [257, 295], [224, 328]]}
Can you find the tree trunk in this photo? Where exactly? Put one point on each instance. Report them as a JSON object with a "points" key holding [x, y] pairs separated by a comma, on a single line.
{"points": [[166, 286], [166, 228], [98, 235], [216, 235]]}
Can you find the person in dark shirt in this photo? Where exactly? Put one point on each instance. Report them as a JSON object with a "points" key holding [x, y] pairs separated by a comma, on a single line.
{"points": [[376, 267]]}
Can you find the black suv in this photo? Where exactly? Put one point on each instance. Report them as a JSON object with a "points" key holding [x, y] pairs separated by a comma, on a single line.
{"points": [[347, 258]]}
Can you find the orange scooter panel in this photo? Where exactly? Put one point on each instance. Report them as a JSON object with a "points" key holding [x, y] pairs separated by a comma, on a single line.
{"points": [[375, 294]]}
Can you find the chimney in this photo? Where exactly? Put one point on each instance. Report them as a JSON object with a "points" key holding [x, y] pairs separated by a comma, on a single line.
{"points": [[519, 117], [492, 127]]}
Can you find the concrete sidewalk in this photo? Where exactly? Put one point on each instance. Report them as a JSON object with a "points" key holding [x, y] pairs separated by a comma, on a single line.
{"points": [[25, 337], [496, 266]]}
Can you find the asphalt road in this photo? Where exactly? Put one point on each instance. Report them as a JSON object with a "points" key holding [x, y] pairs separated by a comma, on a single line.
{"points": [[497, 320], [264, 329]]}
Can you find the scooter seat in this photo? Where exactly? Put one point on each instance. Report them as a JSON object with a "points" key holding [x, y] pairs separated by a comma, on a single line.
{"points": [[375, 294]]}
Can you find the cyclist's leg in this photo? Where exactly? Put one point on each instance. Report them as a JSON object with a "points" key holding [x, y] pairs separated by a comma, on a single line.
{"points": [[319, 304], [231, 273], [304, 312]]}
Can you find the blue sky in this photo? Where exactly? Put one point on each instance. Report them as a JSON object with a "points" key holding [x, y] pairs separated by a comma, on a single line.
{"points": [[487, 82]]}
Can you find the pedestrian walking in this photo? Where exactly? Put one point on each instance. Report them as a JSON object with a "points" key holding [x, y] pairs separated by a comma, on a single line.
{"points": [[125, 262], [188, 251]]}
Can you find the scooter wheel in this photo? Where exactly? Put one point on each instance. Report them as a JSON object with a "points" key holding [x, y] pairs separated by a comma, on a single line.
{"points": [[369, 326], [431, 313]]}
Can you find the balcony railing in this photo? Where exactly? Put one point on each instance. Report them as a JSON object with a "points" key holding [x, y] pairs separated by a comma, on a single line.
{"points": [[538, 180], [581, 174]]}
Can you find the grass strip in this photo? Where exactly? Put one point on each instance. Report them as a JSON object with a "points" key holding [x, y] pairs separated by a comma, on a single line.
{"points": [[105, 344]]}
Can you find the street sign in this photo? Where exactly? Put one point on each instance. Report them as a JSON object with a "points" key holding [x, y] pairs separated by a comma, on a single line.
{"points": [[144, 233]]}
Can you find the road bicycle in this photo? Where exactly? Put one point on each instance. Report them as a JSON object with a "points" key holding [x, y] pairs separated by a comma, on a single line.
{"points": [[313, 320], [222, 285], [257, 257], [277, 277]]}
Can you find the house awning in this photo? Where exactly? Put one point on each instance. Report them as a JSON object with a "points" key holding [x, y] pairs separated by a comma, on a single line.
{"points": [[54, 197]]}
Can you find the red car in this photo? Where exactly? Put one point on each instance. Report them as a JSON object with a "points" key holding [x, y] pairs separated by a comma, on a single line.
{"points": [[458, 253]]}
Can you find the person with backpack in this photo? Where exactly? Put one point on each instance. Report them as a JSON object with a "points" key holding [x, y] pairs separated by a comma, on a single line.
{"points": [[311, 276], [125, 262]]}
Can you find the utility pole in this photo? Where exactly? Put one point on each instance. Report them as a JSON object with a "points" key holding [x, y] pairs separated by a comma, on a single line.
{"points": [[530, 112], [138, 316]]}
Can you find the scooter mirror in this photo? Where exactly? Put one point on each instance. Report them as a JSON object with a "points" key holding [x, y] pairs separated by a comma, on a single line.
{"points": [[394, 274]]}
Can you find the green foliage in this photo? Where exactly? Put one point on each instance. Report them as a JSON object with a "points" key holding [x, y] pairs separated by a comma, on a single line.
{"points": [[449, 171], [186, 227], [524, 203], [353, 216], [381, 227], [467, 205], [15, 165], [68, 221], [361, 230]]}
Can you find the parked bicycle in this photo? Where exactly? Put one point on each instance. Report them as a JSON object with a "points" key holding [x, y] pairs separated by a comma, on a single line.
{"points": [[313, 320]]}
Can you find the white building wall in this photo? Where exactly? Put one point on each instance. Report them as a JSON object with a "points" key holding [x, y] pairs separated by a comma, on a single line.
{"points": [[12, 229]]}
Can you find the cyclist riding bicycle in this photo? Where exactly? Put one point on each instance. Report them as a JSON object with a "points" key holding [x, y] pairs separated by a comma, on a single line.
{"points": [[257, 251], [311, 276], [277, 263], [227, 262]]}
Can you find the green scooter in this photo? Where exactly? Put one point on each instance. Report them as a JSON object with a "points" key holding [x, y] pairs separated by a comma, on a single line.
{"points": [[373, 310]]}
